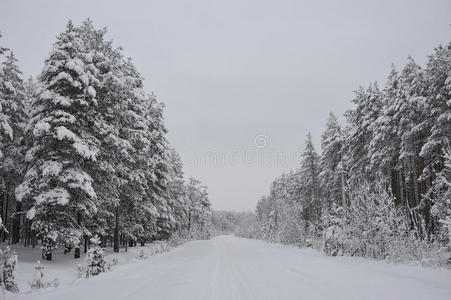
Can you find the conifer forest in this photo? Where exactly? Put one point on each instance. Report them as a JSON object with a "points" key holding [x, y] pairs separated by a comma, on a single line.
{"points": [[94, 184]]}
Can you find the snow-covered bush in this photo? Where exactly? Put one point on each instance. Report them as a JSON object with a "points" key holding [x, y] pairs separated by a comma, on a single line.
{"points": [[375, 224], [292, 228], [141, 254], [39, 281], [177, 238], [372, 226], [333, 222], [9, 263], [95, 258], [81, 272], [38, 277], [160, 248], [164, 247], [111, 264]]}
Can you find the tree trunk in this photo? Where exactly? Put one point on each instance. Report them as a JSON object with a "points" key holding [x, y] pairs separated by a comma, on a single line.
{"points": [[77, 252], [5, 216], [48, 256], [33, 239], [86, 245], [343, 185], [116, 231], [25, 233], [3, 204], [401, 184], [77, 246], [16, 224]]}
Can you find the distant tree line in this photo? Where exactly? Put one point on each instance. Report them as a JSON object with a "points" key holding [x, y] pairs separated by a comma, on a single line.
{"points": [[230, 222]]}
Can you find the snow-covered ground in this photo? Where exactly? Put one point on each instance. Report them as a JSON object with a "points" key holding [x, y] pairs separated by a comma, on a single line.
{"points": [[64, 267], [228, 267]]}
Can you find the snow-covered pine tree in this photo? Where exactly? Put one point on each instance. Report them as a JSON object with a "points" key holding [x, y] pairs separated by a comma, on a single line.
{"points": [[440, 196], [263, 211], [360, 132], [6, 132], [198, 210], [438, 105], [95, 259], [331, 176], [333, 222], [287, 209], [159, 166], [13, 145], [384, 147], [277, 195], [406, 103], [438, 102], [132, 175], [177, 193], [111, 95], [8, 267], [308, 172], [137, 208], [399, 133], [64, 147]]}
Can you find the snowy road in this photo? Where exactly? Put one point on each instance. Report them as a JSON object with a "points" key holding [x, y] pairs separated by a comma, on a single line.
{"points": [[228, 267]]}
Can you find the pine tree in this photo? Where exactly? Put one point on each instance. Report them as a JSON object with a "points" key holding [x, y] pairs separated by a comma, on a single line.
{"points": [[64, 146], [333, 221], [361, 121], [13, 95], [9, 263], [438, 105], [13, 147], [439, 92], [331, 174], [6, 132], [95, 258], [309, 182], [177, 192], [198, 210], [159, 157], [440, 195]]}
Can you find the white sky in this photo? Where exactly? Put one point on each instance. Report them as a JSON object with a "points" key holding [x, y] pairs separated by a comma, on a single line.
{"points": [[231, 70]]}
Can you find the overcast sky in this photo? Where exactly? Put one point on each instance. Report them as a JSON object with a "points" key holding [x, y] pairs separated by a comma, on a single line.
{"points": [[243, 81]]}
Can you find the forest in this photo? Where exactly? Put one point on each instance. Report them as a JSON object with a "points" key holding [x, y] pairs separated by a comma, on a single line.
{"points": [[225, 150], [84, 153], [381, 185]]}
